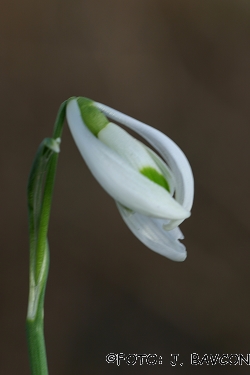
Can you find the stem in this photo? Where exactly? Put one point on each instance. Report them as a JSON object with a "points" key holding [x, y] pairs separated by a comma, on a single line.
{"points": [[36, 347], [40, 190], [34, 322], [35, 338]]}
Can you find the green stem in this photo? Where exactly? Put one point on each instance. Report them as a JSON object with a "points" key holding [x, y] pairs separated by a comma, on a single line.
{"points": [[40, 190], [35, 336], [36, 347]]}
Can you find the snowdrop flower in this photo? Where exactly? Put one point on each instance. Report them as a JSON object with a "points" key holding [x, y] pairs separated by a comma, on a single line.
{"points": [[153, 195]]}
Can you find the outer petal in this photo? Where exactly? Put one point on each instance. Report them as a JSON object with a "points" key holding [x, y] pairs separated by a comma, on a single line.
{"points": [[117, 177], [150, 232], [170, 152]]}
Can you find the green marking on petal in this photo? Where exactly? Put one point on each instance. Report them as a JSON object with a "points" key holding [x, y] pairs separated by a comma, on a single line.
{"points": [[153, 175], [94, 119]]}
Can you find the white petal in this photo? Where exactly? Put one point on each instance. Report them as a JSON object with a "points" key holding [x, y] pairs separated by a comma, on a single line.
{"points": [[135, 152], [150, 232], [127, 147], [117, 177], [169, 151]]}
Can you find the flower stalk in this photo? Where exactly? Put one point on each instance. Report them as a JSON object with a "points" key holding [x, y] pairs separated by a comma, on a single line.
{"points": [[39, 194]]}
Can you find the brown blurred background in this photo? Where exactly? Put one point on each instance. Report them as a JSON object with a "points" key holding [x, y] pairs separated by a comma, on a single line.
{"points": [[183, 67]]}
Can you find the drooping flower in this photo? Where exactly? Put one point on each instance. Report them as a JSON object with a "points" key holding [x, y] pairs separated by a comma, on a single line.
{"points": [[153, 195]]}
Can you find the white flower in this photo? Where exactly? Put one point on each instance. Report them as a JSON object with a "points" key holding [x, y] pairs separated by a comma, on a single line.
{"points": [[153, 196]]}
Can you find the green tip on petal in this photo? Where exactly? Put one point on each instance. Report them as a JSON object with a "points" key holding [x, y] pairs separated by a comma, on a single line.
{"points": [[153, 175], [93, 118]]}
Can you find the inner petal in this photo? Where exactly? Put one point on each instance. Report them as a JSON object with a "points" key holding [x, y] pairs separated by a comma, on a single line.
{"points": [[134, 152]]}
